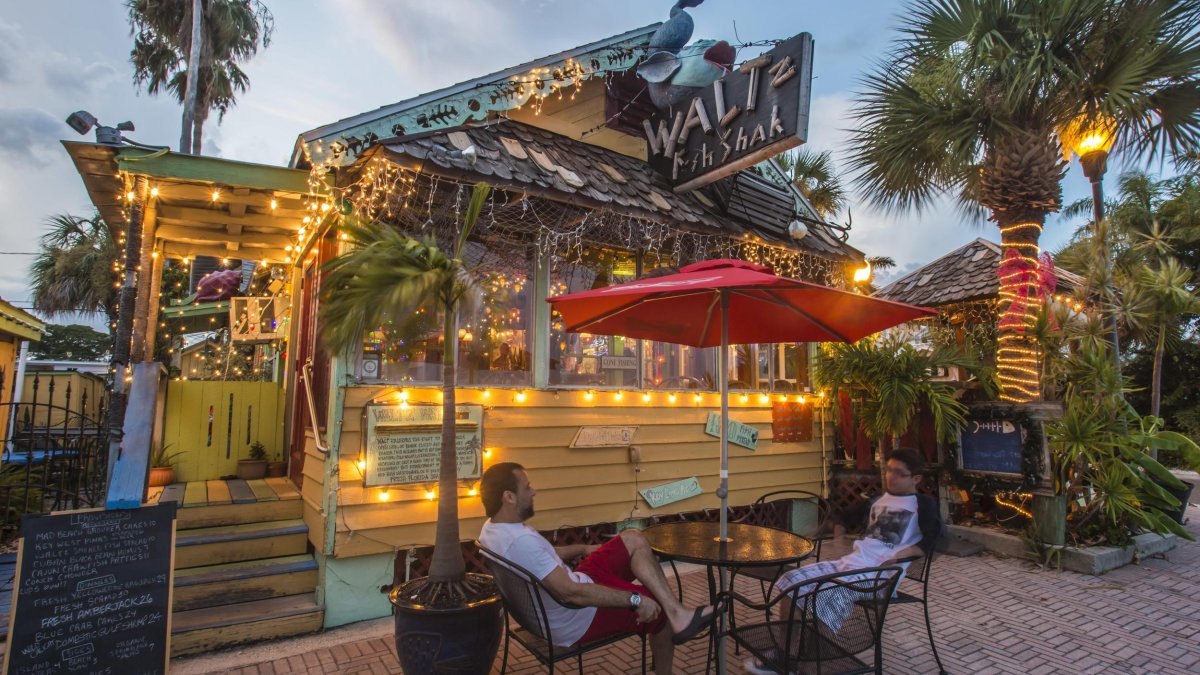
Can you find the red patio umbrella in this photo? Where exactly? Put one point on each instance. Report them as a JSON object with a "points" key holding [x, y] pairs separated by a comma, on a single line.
{"points": [[723, 302]]}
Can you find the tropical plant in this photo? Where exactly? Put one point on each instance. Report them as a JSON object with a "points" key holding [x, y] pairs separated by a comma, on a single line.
{"points": [[976, 94], [73, 270], [229, 32], [888, 379], [19, 492], [814, 175], [1100, 451], [163, 456], [386, 270], [258, 451]]}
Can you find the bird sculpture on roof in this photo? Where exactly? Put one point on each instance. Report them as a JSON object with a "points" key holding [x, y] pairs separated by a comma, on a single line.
{"points": [[674, 70]]}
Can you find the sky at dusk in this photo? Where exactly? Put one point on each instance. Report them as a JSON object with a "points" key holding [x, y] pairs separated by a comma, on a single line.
{"points": [[335, 58]]}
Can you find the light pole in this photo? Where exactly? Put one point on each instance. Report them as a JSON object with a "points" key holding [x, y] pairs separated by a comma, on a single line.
{"points": [[1090, 140]]}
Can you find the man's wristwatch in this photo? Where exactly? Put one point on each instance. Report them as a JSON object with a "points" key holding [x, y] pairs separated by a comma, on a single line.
{"points": [[635, 601]]}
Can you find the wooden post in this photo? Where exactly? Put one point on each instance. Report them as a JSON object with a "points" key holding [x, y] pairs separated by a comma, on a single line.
{"points": [[142, 330], [156, 272], [128, 298]]}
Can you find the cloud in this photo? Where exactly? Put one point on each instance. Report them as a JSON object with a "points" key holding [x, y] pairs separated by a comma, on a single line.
{"points": [[72, 75], [27, 132], [11, 48], [436, 43]]}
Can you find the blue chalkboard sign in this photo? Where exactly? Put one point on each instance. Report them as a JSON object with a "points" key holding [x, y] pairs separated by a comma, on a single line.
{"points": [[992, 446]]}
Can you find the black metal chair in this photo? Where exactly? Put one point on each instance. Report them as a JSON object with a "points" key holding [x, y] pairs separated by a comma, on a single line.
{"points": [[525, 598], [761, 513], [823, 623], [918, 573]]}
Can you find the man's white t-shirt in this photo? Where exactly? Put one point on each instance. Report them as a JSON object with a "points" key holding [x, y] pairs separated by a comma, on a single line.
{"points": [[892, 527], [523, 545]]}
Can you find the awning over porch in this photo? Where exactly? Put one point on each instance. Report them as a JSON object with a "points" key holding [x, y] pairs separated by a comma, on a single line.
{"points": [[200, 205]]}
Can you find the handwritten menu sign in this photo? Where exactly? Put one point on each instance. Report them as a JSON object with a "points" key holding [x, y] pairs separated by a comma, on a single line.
{"points": [[791, 422], [992, 446], [403, 444], [93, 593]]}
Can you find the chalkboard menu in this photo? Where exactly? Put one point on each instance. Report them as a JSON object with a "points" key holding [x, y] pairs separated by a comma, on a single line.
{"points": [[992, 446], [93, 593]]}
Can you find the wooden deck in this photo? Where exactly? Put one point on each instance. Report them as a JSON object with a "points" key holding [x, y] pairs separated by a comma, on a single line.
{"points": [[221, 492]]}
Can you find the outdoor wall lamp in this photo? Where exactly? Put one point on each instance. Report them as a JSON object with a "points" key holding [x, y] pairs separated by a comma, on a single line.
{"points": [[863, 274]]}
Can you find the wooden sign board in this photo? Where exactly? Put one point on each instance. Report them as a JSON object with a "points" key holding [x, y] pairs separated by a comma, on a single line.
{"points": [[93, 592], [791, 422], [739, 434], [402, 445], [603, 437], [992, 446], [661, 495], [754, 112]]}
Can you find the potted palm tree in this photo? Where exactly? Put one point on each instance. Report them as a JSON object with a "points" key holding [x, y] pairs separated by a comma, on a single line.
{"points": [[388, 270]]}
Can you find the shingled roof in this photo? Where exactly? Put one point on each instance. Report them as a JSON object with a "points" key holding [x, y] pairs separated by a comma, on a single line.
{"points": [[552, 166], [964, 274]]}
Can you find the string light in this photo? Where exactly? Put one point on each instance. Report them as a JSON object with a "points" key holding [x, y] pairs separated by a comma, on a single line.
{"points": [[646, 397], [384, 495], [672, 397], [520, 397], [430, 494], [216, 195], [618, 396], [589, 395]]}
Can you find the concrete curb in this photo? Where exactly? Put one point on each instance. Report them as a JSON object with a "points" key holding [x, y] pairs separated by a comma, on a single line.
{"points": [[1094, 560]]}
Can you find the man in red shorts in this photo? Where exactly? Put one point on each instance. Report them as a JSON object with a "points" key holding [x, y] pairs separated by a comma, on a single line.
{"points": [[602, 584]]}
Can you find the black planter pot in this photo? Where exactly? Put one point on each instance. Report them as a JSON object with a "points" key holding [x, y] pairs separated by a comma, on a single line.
{"points": [[1182, 495], [438, 639]]}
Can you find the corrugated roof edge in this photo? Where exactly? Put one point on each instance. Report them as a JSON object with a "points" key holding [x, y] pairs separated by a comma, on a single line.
{"points": [[429, 97]]}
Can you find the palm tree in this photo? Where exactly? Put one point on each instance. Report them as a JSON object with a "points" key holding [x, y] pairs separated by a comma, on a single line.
{"points": [[390, 271], [1150, 223], [73, 270], [230, 33], [814, 175], [975, 96], [891, 379]]}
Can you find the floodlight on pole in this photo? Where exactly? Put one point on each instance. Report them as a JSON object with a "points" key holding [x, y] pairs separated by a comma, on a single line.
{"points": [[1091, 137]]}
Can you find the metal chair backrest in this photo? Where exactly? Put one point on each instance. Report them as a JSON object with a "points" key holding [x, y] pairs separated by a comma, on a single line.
{"points": [[524, 594], [836, 615], [772, 499]]}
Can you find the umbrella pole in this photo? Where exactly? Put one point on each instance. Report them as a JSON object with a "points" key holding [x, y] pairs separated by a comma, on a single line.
{"points": [[723, 490]]}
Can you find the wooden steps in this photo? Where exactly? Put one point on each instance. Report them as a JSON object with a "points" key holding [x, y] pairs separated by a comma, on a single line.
{"points": [[203, 630], [232, 543], [243, 572], [211, 585]]}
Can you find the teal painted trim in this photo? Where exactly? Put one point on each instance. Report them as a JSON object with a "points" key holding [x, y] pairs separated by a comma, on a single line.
{"points": [[333, 436], [351, 588], [212, 170], [541, 320]]}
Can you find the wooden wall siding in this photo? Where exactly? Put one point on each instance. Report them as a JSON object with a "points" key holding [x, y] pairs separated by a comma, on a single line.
{"points": [[575, 486], [257, 405], [585, 113], [312, 492], [77, 382]]}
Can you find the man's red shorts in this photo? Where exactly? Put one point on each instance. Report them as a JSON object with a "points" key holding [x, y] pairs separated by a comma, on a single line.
{"points": [[609, 566]]}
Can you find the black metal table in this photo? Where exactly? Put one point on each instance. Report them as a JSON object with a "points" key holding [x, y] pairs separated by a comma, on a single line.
{"points": [[746, 546]]}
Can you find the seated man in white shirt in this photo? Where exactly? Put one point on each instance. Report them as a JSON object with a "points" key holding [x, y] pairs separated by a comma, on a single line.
{"points": [[602, 584]]}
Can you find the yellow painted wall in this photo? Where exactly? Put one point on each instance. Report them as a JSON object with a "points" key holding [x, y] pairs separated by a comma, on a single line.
{"points": [[62, 380], [257, 416], [575, 486], [8, 362]]}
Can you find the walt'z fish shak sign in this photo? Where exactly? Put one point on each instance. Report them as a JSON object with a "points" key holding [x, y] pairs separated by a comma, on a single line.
{"points": [[757, 110]]}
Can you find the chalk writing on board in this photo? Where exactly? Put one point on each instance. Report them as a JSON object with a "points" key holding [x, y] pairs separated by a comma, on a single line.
{"points": [[992, 446], [93, 592], [404, 445]]}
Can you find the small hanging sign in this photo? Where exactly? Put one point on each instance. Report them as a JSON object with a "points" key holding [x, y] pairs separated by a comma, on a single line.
{"points": [[603, 437], [661, 495], [739, 434]]}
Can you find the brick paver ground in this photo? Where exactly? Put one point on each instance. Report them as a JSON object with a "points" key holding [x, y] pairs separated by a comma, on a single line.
{"points": [[990, 615]]}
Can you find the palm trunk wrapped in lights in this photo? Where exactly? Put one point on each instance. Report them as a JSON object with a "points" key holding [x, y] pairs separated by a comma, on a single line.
{"points": [[1020, 183]]}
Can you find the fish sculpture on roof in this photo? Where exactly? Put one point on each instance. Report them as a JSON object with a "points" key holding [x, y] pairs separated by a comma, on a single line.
{"points": [[219, 285], [675, 70]]}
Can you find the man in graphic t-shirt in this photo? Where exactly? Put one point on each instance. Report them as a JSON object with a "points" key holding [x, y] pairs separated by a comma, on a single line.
{"points": [[601, 585], [899, 524]]}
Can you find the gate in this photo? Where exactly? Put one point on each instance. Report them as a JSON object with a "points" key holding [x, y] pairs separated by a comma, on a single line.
{"points": [[54, 451]]}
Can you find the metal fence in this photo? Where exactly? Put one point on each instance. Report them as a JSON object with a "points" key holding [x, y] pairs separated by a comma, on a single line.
{"points": [[54, 452]]}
